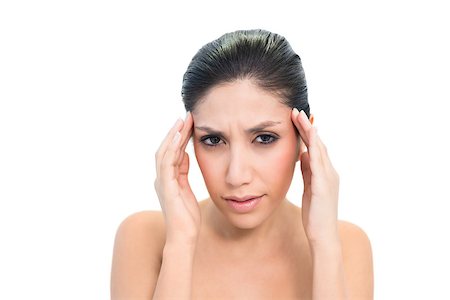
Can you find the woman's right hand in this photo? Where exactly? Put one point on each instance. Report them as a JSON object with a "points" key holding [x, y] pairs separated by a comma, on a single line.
{"points": [[179, 205]]}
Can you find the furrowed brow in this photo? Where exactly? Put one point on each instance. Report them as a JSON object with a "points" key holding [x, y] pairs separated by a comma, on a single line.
{"points": [[259, 127], [209, 130]]}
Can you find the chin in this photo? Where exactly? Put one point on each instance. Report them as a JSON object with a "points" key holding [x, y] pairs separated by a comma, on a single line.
{"points": [[245, 221], [248, 220]]}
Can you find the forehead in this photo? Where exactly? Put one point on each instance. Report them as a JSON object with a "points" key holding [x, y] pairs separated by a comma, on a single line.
{"points": [[240, 100]]}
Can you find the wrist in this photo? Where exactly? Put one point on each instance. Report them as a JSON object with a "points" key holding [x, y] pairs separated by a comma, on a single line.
{"points": [[327, 234], [327, 246], [174, 247], [182, 239]]}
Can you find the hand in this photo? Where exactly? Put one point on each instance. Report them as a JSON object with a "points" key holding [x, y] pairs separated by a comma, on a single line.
{"points": [[321, 185], [179, 205]]}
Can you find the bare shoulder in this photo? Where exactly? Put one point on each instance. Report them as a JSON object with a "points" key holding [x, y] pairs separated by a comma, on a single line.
{"points": [[358, 261], [353, 234], [137, 255], [143, 221]]}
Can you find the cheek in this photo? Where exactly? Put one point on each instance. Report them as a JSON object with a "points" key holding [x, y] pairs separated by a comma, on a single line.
{"points": [[281, 162], [278, 168], [209, 166]]}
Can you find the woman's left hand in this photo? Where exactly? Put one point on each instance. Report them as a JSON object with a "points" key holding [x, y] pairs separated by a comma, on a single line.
{"points": [[321, 185]]}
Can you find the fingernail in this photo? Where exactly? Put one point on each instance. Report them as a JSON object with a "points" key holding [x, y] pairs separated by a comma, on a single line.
{"points": [[187, 113], [303, 115], [295, 112]]}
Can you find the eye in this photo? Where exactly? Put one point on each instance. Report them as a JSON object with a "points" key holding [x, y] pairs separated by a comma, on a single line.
{"points": [[214, 140], [267, 138]]}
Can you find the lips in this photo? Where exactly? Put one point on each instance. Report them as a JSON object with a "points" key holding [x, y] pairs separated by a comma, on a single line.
{"points": [[242, 199], [243, 205]]}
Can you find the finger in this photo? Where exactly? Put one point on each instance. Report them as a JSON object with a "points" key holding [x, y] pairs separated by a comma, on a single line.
{"points": [[303, 125], [185, 135], [185, 188], [169, 168], [306, 169], [324, 154], [309, 134], [294, 118], [317, 149], [164, 144], [187, 129], [184, 170], [303, 148], [322, 148], [315, 155]]}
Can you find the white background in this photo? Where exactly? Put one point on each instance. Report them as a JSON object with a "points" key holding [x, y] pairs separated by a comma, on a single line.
{"points": [[88, 89]]}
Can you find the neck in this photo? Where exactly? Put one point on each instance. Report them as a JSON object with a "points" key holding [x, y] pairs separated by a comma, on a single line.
{"points": [[275, 227]]}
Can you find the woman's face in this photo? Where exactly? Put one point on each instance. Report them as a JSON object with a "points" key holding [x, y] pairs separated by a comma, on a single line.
{"points": [[237, 161]]}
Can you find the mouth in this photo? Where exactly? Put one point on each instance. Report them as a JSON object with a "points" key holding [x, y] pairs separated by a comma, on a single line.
{"points": [[242, 199], [244, 204]]}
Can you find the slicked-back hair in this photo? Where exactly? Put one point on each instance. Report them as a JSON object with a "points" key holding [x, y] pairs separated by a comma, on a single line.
{"points": [[263, 57]]}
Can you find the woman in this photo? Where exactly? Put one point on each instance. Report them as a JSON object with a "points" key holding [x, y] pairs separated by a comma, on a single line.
{"points": [[243, 93]]}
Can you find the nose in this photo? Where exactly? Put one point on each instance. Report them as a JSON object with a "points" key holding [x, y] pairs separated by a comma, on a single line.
{"points": [[239, 170]]}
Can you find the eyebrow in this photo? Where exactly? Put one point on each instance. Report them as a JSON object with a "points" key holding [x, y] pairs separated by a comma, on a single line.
{"points": [[259, 127]]}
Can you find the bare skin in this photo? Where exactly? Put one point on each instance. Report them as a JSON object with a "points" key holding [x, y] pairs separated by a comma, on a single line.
{"points": [[279, 268], [204, 249], [276, 268]]}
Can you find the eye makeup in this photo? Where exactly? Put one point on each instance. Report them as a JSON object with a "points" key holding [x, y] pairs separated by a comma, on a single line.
{"points": [[266, 139]]}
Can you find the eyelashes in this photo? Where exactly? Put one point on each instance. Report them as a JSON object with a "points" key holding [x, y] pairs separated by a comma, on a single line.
{"points": [[211, 138], [214, 140]]}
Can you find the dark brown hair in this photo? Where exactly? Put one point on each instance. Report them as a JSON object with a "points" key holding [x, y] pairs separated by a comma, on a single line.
{"points": [[264, 57]]}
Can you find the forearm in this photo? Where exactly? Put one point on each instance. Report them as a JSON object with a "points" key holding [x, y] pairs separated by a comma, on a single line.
{"points": [[328, 272], [175, 277]]}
